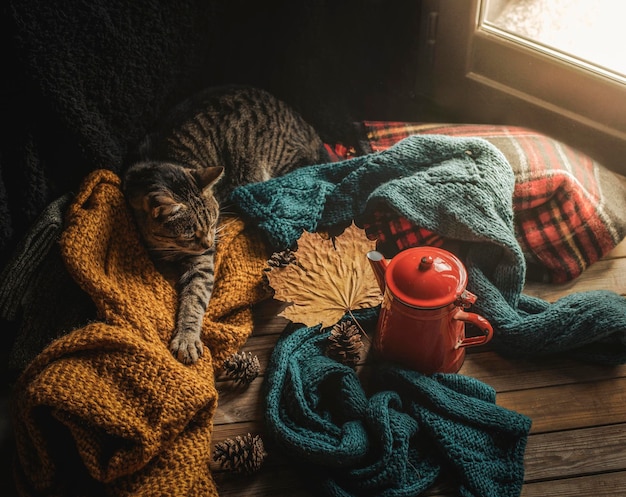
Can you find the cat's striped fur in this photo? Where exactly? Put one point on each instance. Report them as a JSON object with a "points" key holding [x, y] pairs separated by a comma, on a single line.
{"points": [[209, 144]]}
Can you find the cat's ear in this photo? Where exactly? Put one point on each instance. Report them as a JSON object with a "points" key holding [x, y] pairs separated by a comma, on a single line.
{"points": [[207, 176], [160, 204]]}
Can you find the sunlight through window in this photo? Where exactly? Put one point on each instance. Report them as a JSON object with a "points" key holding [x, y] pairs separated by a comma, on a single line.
{"points": [[590, 34]]}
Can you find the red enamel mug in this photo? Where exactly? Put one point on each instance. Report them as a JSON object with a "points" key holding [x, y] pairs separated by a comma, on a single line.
{"points": [[423, 314]]}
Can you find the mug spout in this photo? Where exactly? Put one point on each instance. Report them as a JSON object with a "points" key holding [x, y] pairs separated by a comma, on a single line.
{"points": [[379, 266]]}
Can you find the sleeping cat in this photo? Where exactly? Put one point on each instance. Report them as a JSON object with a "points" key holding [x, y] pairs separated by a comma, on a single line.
{"points": [[208, 145]]}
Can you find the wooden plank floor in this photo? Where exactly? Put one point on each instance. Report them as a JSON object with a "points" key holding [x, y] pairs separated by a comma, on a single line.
{"points": [[577, 445]]}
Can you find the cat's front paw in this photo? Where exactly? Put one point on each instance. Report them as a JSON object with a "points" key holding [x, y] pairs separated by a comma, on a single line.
{"points": [[186, 347]]}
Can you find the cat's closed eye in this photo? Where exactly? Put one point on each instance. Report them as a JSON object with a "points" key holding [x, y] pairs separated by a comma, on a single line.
{"points": [[199, 237], [190, 240]]}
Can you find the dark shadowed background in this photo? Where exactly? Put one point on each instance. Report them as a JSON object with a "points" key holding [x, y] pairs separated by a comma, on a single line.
{"points": [[84, 79]]}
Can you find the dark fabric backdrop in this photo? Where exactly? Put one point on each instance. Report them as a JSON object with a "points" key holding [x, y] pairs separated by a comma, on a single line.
{"points": [[84, 79]]}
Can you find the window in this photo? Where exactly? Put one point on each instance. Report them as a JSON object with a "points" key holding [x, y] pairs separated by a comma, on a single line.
{"points": [[534, 63], [587, 34]]}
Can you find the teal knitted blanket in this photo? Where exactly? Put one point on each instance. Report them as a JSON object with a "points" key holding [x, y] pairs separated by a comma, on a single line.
{"points": [[461, 189], [395, 439]]}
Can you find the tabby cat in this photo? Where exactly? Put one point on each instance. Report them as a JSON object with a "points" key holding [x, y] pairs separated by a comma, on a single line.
{"points": [[179, 184]]}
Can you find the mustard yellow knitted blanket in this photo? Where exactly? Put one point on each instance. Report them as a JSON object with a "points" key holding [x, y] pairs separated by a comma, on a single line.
{"points": [[107, 409]]}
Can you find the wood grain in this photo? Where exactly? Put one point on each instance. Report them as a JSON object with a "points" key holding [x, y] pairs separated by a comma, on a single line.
{"points": [[602, 485], [570, 453]]}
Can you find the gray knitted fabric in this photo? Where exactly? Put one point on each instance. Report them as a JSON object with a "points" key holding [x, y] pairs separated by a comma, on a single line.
{"points": [[37, 295]]}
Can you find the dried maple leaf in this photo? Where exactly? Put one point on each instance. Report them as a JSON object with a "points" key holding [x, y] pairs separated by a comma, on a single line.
{"points": [[331, 278]]}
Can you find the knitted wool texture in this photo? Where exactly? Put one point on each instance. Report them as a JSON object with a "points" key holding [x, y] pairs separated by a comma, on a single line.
{"points": [[37, 295], [397, 438], [107, 409], [460, 189]]}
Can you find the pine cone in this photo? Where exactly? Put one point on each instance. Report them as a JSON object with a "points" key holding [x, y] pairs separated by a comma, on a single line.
{"points": [[282, 258], [242, 367], [241, 454], [345, 343]]}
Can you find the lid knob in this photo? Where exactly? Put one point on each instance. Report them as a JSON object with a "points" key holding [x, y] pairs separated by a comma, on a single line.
{"points": [[426, 263]]}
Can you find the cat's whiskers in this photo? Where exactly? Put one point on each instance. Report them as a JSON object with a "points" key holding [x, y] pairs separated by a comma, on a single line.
{"points": [[225, 224], [167, 253], [226, 213]]}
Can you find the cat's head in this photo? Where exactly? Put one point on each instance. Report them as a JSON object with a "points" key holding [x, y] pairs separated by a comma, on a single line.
{"points": [[174, 207]]}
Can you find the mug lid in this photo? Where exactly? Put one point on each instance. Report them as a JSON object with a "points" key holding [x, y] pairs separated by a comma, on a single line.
{"points": [[426, 277]]}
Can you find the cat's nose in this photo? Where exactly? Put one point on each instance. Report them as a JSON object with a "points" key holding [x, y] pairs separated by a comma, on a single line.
{"points": [[205, 243]]}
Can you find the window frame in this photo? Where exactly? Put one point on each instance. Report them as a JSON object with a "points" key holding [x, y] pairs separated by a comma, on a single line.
{"points": [[479, 74]]}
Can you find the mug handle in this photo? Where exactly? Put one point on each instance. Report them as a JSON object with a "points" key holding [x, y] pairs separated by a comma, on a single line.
{"points": [[478, 321]]}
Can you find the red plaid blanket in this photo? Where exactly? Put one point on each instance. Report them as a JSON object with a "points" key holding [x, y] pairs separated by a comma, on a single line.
{"points": [[569, 210]]}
